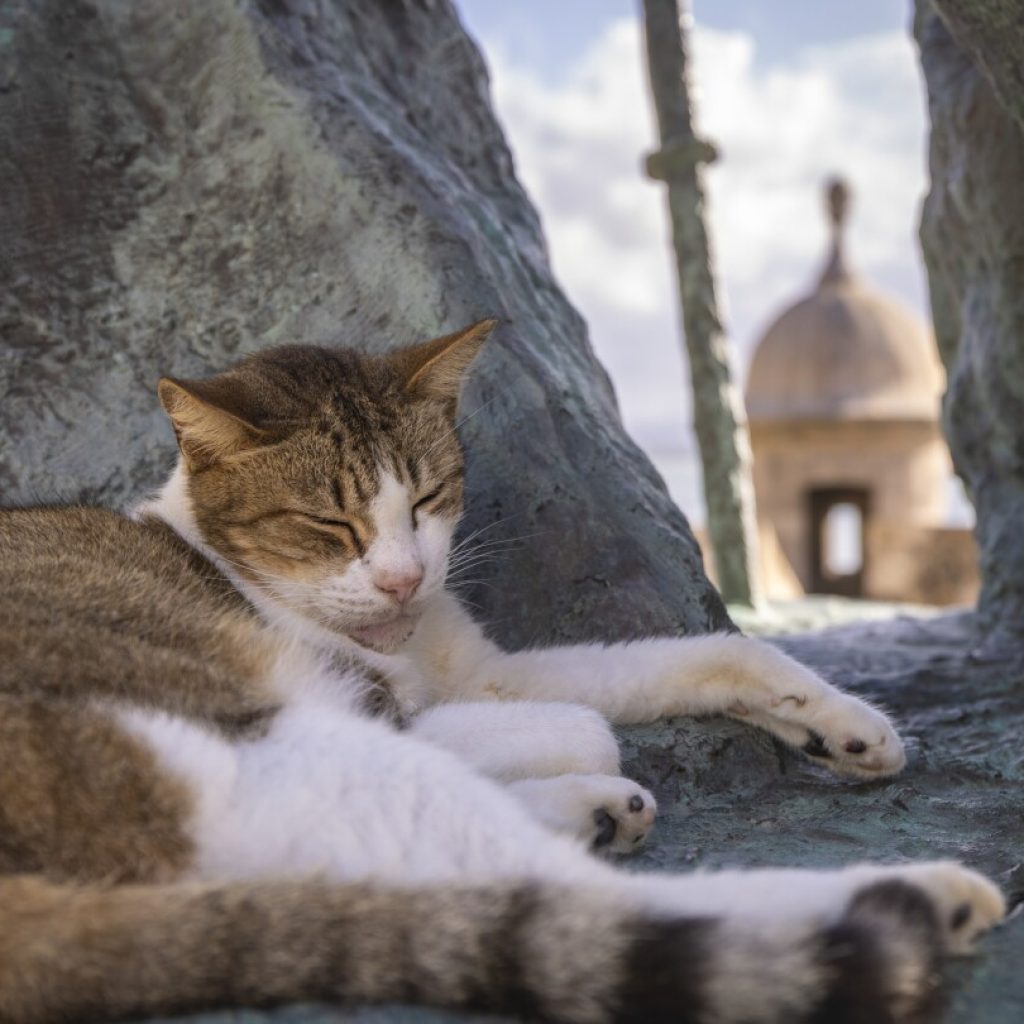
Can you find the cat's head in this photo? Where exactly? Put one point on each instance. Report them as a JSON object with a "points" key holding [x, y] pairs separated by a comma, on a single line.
{"points": [[330, 482]]}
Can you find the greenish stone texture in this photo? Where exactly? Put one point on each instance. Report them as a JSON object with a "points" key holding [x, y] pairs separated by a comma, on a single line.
{"points": [[183, 181]]}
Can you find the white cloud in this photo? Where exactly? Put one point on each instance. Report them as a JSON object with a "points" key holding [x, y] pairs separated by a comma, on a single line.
{"points": [[579, 143]]}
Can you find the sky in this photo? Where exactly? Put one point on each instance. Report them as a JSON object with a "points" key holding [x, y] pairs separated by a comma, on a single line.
{"points": [[791, 91]]}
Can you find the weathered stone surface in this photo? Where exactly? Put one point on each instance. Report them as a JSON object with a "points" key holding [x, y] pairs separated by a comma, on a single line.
{"points": [[972, 232], [182, 181]]}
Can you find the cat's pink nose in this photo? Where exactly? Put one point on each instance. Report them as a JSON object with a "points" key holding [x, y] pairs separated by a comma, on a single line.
{"points": [[399, 585]]}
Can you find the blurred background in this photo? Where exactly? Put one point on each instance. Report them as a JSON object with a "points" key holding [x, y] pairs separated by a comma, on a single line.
{"points": [[792, 93]]}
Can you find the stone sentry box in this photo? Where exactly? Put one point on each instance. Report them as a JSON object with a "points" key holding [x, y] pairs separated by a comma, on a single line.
{"points": [[843, 397]]}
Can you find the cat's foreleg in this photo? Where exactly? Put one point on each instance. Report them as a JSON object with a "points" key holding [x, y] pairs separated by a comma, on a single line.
{"points": [[728, 674], [720, 674]]}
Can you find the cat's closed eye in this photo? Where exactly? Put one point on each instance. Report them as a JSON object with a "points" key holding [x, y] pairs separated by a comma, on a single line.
{"points": [[426, 500], [350, 532]]}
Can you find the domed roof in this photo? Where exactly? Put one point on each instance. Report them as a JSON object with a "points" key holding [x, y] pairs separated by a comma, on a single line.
{"points": [[845, 352]]}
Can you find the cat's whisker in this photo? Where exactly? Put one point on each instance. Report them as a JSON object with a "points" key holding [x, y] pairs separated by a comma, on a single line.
{"points": [[486, 546], [476, 553], [488, 526], [461, 571], [480, 549], [471, 604], [502, 540], [472, 563], [492, 550], [475, 582], [499, 545]]}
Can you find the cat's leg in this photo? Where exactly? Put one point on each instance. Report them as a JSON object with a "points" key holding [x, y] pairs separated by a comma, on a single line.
{"points": [[510, 740], [727, 674], [742, 678], [560, 760]]}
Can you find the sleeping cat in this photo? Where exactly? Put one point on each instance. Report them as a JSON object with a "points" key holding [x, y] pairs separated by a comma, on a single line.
{"points": [[251, 751]]}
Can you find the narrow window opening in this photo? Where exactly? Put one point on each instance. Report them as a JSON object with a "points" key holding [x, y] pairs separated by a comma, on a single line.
{"points": [[843, 543], [838, 527]]}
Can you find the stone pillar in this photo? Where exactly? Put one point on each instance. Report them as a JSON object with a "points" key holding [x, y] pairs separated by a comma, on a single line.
{"points": [[972, 233]]}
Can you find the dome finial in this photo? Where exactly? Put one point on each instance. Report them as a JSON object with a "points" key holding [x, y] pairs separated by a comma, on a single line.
{"points": [[837, 198], [837, 202]]}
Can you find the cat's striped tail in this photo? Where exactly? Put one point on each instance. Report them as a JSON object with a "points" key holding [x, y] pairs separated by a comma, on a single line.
{"points": [[71, 953]]}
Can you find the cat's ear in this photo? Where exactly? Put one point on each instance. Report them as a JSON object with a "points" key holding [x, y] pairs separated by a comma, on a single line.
{"points": [[435, 368], [211, 418]]}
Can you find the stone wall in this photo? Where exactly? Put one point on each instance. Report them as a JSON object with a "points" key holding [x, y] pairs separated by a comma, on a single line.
{"points": [[181, 182], [922, 565]]}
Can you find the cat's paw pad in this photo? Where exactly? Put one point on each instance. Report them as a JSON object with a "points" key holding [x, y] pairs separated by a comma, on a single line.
{"points": [[967, 903], [622, 818], [851, 737]]}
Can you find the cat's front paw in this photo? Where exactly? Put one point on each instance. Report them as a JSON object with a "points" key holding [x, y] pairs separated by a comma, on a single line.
{"points": [[852, 738], [835, 730], [832, 728]]}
